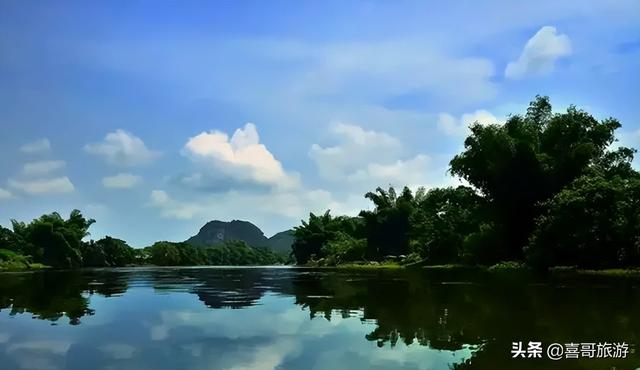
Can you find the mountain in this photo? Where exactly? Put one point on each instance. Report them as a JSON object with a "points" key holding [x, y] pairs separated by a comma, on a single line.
{"points": [[281, 242], [215, 232]]}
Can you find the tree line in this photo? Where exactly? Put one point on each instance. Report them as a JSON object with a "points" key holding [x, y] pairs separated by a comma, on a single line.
{"points": [[56, 242], [544, 189]]}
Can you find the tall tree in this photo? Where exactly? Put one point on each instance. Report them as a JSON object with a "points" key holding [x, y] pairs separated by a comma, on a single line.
{"points": [[387, 225], [444, 217], [524, 162], [53, 240]]}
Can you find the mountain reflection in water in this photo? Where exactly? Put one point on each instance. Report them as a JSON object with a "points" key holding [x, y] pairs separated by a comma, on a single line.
{"points": [[286, 318]]}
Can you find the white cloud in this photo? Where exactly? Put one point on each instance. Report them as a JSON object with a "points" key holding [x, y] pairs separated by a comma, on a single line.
{"points": [[409, 172], [94, 209], [56, 185], [118, 351], [356, 148], [121, 181], [364, 160], [159, 197], [387, 69], [292, 205], [58, 347], [170, 208], [241, 157], [42, 167], [453, 126], [5, 194], [122, 148], [37, 146], [540, 53]]}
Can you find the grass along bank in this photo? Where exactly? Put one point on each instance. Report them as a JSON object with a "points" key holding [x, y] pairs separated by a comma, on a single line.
{"points": [[11, 261]]}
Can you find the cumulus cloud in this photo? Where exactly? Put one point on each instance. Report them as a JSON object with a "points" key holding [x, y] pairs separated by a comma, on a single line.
{"points": [[540, 54], [356, 147], [365, 159], [42, 167], [241, 157], [58, 185], [121, 181], [5, 194], [453, 126], [122, 148], [41, 145]]}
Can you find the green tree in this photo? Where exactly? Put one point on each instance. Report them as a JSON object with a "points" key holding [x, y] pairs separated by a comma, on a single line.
{"points": [[344, 248], [93, 255], [117, 252], [53, 240], [164, 254], [388, 225], [593, 223], [312, 235], [10, 240], [526, 161], [444, 217]]}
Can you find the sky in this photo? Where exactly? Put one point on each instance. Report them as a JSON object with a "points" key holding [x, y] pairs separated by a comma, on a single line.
{"points": [[153, 117]]}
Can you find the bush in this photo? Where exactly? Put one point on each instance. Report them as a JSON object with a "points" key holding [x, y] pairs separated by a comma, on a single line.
{"points": [[344, 249], [508, 266]]}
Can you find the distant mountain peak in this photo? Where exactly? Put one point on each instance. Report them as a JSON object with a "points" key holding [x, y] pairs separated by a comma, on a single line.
{"points": [[215, 232]]}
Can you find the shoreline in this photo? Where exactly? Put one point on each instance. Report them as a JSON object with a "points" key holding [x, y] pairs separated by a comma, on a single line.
{"points": [[496, 270]]}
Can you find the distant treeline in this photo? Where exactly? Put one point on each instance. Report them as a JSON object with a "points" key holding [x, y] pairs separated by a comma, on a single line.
{"points": [[54, 241], [544, 189]]}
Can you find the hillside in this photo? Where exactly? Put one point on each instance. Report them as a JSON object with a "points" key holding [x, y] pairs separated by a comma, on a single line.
{"points": [[281, 242], [215, 232]]}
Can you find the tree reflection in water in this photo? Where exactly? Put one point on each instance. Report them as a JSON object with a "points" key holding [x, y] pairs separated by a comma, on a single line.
{"points": [[446, 313]]}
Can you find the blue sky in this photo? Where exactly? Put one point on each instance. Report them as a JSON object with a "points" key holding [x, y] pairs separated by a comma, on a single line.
{"points": [[155, 116]]}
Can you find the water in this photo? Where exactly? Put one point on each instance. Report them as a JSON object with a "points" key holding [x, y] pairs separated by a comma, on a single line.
{"points": [[285, 318]]}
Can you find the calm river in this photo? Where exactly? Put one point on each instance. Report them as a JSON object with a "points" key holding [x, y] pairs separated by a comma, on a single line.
{"points": [[288, 318]]}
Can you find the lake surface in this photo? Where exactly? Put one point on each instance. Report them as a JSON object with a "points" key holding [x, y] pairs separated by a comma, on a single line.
{"points": [[288, 318]]}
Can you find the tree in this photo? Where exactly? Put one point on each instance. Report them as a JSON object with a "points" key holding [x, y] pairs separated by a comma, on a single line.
{"points": [[165, 254], [344, 248], [311, 236], [526, 161], [107, 251], [117, 252], [53, 240], [444, 217], [388, 226], [593, 223], [10, 240], [93, 255]]}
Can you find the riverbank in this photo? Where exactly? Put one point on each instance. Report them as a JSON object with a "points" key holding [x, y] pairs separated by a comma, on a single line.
{"points": [[504, 268], [11, 261], [15, 263]]}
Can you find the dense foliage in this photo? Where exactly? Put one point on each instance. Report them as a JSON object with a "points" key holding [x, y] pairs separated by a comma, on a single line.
{"points": [[228, 253], [545, 188], [53, 241]]}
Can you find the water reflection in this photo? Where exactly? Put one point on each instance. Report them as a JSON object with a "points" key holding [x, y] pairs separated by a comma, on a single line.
{"points": [[302, 319]]}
